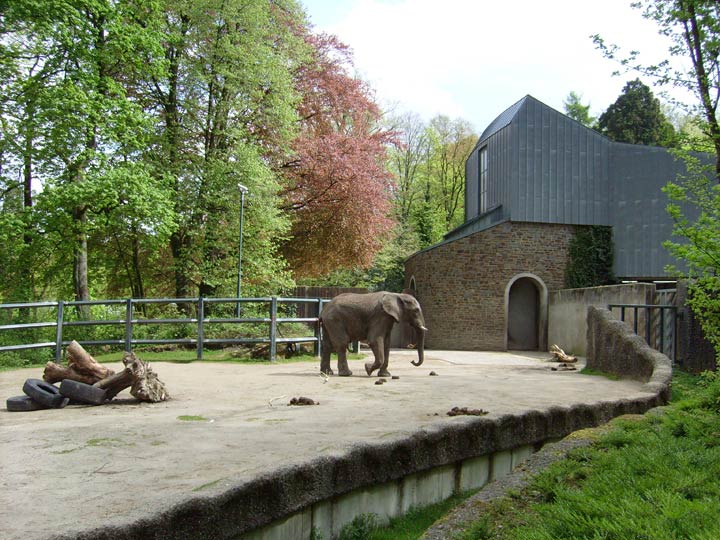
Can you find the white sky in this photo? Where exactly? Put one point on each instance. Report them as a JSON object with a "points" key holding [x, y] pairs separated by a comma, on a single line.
{"points": [[475, 58]]}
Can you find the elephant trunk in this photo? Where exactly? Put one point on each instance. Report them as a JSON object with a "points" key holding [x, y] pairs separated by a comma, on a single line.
{"points": [[420, 346]]}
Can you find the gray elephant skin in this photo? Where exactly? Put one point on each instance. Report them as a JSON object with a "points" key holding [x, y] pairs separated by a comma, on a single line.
{"points": [[367, 317]]}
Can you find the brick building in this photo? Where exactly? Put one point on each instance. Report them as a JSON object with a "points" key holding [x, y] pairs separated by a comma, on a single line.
{"points": [[534, 177]]}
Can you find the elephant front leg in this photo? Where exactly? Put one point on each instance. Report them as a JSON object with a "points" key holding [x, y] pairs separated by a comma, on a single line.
{"points": [[378, 350], [343, 369], [386, 360]]}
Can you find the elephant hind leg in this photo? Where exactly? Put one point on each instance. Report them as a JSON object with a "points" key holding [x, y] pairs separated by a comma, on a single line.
{"points": [[343, 369], [325, 357]]}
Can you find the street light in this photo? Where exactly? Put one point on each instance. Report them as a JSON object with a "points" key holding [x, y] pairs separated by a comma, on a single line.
{"points": [[243, 191]]}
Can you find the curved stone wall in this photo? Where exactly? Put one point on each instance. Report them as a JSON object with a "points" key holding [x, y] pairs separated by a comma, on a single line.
{"points": [[613, 348]]}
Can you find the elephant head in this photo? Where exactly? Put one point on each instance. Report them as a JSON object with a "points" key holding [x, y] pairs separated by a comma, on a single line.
{"points": [[405, 308]]}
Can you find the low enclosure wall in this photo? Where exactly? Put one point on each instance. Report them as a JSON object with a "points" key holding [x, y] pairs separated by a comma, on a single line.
{"points": [[567, 310], [613, 348]]}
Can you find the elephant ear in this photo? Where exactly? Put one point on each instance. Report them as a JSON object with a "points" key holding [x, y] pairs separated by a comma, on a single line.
{"points": [[391, 306]]}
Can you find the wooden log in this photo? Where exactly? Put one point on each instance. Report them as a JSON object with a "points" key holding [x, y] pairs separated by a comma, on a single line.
{"points": [[82, 362], [139, 377], [116, 383], [82, 367], [562, 356], [55, 373]]}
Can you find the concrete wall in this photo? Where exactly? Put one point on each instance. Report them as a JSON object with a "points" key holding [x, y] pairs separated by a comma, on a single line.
{"points": [[326, 519], [567, 311], [613, 348], [417, 472]]}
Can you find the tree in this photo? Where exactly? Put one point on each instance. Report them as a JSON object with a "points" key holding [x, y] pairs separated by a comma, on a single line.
{"points": [[62, 82], [637, 118], [406, 161], [693, 28], [452, 141], [227, 109], [576, 110], [338, 190]]}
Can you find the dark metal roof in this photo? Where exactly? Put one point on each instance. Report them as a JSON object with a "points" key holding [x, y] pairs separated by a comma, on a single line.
{"points": [[502, 120]]}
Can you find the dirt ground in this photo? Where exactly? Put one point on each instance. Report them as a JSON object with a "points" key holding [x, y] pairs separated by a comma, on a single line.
{"points": [[83, 467]]}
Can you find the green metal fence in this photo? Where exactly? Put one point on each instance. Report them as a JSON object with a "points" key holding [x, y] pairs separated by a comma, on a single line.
{"points": [[194, 313]]}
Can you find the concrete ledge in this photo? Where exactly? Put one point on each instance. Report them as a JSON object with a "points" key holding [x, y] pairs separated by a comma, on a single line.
{"points": [[614, 348], [383, 478]]}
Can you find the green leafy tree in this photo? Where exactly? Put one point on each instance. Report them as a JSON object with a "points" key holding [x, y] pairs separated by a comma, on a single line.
{"points": [[62, 79], [693, 28], [575, 109], [227, 113], [636, 117]]}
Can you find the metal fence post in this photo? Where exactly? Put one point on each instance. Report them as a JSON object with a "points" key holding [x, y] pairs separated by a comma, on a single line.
{"points": [[317, 349], [59, 332], [200, 335], [662, 330], [273, 328], [128, 324]]}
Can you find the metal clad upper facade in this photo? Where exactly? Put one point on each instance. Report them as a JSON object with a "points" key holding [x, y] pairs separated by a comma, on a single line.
{"points": [[639, 219], [561, 174], [545, 167]]}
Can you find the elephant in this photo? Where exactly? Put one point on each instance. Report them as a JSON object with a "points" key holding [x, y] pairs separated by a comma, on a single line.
{"points": [[368, 317]]}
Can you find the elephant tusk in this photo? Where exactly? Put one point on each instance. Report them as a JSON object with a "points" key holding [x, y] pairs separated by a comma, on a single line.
{"points": [[423, 329]]}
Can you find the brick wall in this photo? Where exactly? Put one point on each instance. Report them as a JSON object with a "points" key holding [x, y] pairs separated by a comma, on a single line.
{"points": [[461, 285]]}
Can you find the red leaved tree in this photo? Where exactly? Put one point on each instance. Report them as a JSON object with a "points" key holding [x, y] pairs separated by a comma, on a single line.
{"points": [[339, 190]]}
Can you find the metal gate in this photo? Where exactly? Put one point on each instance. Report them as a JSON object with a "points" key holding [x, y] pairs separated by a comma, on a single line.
{"points": [[658, 324]]}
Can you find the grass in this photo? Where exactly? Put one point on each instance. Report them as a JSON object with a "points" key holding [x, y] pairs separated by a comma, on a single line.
{"points": [[654, 478], [178, 356], [597, 373], [407, 527]]}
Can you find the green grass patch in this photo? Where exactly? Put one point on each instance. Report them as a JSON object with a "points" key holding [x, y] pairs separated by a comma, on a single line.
{"points": [[191, 418], [657, 477], [597, 373], [185, 356], [408, 527], [177, 356]]}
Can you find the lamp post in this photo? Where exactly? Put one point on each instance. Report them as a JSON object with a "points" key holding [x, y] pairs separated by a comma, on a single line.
{"points": [[243, 191]]}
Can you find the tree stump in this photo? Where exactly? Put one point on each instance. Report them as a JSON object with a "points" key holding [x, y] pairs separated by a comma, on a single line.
{"points": [[82, 367], [139, 377]]}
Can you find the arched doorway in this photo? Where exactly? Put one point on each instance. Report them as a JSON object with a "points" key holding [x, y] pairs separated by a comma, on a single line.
{"points": [[526, 308]]}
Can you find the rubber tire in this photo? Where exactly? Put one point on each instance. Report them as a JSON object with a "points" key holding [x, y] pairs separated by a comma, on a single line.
{"points": [[82, 393], [23, 404], [45, 393]]}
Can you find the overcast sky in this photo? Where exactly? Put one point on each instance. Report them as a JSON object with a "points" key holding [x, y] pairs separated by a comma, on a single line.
{"points": [[475, 58]]}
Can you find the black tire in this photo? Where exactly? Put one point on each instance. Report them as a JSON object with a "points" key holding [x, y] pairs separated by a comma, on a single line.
{"points": [[45, 393], [83, 393], [23, 403]]}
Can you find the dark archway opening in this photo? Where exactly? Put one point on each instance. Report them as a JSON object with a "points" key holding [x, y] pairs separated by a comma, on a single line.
{"points": [[523, 315]]}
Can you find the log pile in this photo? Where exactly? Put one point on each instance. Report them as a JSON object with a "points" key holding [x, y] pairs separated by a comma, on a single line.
{"points": [[81, 367], [137, 375]]}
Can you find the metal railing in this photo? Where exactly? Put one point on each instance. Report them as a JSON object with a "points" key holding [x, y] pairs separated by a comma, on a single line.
{"points": [[199, 322], [660, 329]]}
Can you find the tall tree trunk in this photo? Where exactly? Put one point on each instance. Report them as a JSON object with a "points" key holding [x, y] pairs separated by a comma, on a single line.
{"points": [[693, 39], [80, 268], [26, 273]]}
